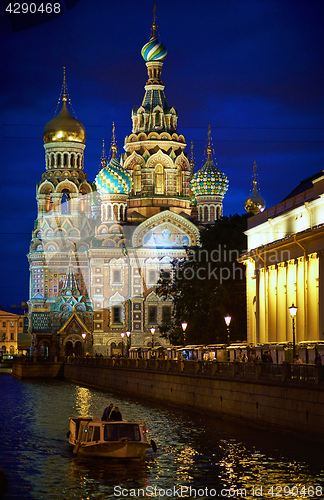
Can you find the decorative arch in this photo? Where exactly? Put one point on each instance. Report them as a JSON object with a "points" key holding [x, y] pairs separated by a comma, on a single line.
{"points": [[46, 188], [182, 162], [161, 158], [66, 184], [51, 247], [150, 232]]}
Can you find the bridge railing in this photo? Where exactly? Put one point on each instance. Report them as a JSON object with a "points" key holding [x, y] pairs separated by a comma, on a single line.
{"points": [[291, 373]]}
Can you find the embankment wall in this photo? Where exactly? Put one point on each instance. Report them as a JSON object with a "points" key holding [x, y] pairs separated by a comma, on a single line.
{"points": [[286, 406]]}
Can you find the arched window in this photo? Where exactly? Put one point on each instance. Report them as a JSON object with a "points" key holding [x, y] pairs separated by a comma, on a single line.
{"points": [[65, 160], [179, 181], [59, 159], [49, 203], [137, 179], [73, 160], [212, 213], [206, 214], [218, 213], [159, 180], [157, 118], [65, 202], [109, 212], [52, 160], [82, 201]]}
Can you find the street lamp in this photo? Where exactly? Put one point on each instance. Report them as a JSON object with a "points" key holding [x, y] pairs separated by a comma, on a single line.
{"points": [[152, 332], [84, 336], [228, 320], [184, 327], [129, 341], [293, 312], [122, 336]]}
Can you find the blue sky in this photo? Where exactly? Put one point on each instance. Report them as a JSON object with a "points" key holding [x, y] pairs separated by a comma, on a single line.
{"points": [[251, 69]]}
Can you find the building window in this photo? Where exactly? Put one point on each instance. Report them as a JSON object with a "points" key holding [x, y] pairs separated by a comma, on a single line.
{"points": [[166, 314], [116, 277], [137, 179], [152, 277], [152, 313], [166, 275], [116, 314], [159, 180]]}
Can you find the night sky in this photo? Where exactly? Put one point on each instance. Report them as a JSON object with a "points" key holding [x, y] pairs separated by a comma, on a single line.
{"points": [[252, 69]]}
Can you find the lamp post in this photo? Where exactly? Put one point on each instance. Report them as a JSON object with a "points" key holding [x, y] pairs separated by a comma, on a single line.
{"points": [[293, 312], [129, 341], [228, 320], [84, 336], [184, 327], [122, 336], [152, 332]]}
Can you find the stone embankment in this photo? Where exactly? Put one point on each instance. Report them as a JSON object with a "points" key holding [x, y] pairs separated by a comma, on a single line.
{"points": [[285, 397]]}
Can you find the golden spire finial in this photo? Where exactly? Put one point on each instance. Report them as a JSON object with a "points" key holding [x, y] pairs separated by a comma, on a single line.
{"points": [[103, 160], [209, 150], [254, 176], [154, 26], [113, 145], [64, 97], [192, 163]]}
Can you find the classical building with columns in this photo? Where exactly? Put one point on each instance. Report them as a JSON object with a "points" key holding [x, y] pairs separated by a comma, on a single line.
{"points": [[285, 266], [98, 248]]}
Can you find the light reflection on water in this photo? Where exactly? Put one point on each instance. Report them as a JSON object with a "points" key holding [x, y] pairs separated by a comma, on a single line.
{"points": [[193, 450]]}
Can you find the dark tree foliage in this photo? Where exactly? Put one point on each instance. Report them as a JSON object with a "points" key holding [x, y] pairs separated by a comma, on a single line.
{"points": [[208, 285]]}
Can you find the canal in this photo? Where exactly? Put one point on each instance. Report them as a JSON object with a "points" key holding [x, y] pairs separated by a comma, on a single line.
{"points": [[198, 456]]}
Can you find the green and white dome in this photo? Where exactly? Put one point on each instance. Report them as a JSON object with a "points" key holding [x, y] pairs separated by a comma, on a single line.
{"points": [[209, 180], [154, 51], [113, 179]]}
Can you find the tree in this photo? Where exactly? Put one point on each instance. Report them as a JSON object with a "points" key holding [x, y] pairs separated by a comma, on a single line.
{"points": [[207, 285]]}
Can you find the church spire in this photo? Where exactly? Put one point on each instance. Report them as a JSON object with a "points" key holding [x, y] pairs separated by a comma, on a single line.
{"points": [[254, 204], [154, 26], [113, 144]]}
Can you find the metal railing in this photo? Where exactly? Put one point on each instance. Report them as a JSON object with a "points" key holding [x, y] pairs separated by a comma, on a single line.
{"points": [[290, 373]]}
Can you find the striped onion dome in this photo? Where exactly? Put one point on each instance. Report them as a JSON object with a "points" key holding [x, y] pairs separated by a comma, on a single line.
{"points": [[154, 51], [209, 180], [113, 179]]}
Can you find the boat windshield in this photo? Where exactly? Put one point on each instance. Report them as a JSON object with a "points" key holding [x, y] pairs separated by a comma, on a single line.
{"points": [[115, 432]]}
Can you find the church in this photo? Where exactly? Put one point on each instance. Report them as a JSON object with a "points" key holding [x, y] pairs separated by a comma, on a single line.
{"points": [[99, 247]]}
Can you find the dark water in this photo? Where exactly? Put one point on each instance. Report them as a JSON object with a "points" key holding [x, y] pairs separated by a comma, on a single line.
{"points": [[194, 451]]}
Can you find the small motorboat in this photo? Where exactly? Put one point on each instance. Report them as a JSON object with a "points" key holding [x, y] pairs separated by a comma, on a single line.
{"points": [[94, 438]]}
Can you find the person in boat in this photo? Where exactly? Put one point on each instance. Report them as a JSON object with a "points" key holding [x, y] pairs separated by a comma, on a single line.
{"points": [[107, 412], [115, 415]]}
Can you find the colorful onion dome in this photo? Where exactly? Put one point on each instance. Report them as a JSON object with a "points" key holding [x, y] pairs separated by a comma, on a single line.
{"points": [[209, 180], [64, 128], [113, 179], [154, 50]]}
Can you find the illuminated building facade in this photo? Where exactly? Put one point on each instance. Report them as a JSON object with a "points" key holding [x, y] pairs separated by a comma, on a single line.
{"points": [[285, 266], [11, 325], [98, 249]]}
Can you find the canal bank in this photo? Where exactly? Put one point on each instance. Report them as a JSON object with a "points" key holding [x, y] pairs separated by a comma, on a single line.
{"points": [[285, 397], [289, 398]]}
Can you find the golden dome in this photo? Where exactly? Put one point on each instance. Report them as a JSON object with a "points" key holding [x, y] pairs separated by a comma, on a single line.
{"points": [[64, 128], [254, 204]]}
